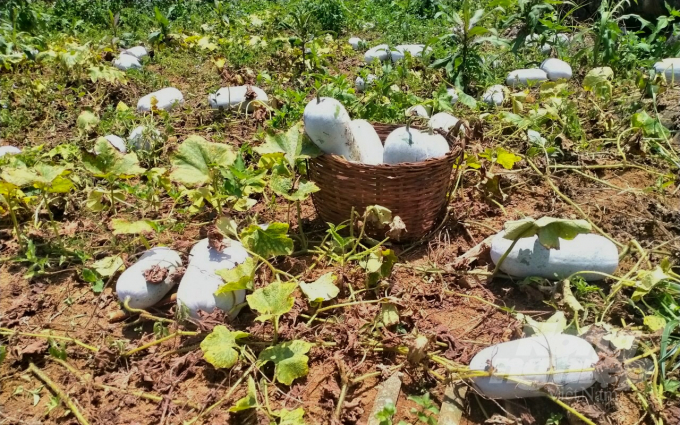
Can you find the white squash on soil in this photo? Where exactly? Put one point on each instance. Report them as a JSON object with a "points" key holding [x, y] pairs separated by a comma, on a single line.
{"points": [[524, 77], [116, 142], [235, 97], [125, 62], [586, 252], [529, 359], [380, 52], [9, 150], [139, 52], [133, 284], [356, 43], [417, 111], [328, 125], [556, 69], [453, 95], [442, 121], [197, 288], [670, 67], [416, 51], [166, 99], [143, 138], [494, 95], [370, 147], [360, 84]]}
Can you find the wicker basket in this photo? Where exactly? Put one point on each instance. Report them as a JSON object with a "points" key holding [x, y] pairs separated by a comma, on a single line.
{"points": [[416, 192]]}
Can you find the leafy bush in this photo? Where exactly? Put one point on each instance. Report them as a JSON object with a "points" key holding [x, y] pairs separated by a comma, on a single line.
{"points": [[329, 15]]}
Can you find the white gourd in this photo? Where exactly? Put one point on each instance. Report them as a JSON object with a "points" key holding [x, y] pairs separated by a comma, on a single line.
{"points": [[139, 52], [453, 95], [670, 67], [116, 142], [9, 150], [125, 62], [143, 138], [442, 121], [416, 51], [197, 289], [356, 43], [532, 358], [328, 125], [166, 99], [586, 252], [524, 77], [494, 95], [556, 69], [235, 97], [403, 145], [380, 52], [133, 284], [370, 147], [435, 144], [417, 111]]}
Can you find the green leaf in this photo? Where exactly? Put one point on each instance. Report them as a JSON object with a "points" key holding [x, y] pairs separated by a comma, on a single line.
{"points": [[506, 159], [107, 73], [389, 314], [110, 163], [123, 227], [322, 289], [467, 100], [87, 121], [41, 175], [289, 359], [196, 157], [551, 230], [268, 243], [227, 226], [379, 266], [654, 323], [108, 266], [273, 300], [65, 150], [620, 339], [291, 417], [219, 347], [293, 144], [597, 80], [240, 277], [249, 401], [3, 353], [554, 325], [91, 277], [378, 215], [516, 229], [646, 281], [305, 188]]}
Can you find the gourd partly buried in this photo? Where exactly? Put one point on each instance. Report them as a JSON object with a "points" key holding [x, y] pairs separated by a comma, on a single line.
{"points": [[165, 99], [528, 360], [198, 285], [524, 77], [132, 282], [586, 252], [244, 98]]}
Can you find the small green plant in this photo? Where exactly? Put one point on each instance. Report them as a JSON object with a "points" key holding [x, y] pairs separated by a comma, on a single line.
{"points": [[427, 411]]}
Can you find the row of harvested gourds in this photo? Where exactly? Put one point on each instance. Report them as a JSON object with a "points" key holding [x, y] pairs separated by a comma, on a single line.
{"points": [[330, 127]]}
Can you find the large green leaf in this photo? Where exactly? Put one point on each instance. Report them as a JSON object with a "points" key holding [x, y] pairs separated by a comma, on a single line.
{"points": [[291, 417], [646, 281], [41, 175], [249, 401], [196, 157], [87, 121], [289, 359], [123, 227], [267, 243], [219, 347], [109, 163], [273, 300], [322, 289], [293, 144], [240, 277], [549, 230]]}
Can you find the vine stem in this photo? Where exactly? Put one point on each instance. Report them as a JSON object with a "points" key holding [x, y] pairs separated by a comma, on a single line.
{"points": [[159, 341], [5, 331], [59, 392], [143, 313], [330, 307], [86, 379], [226, 396]]}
